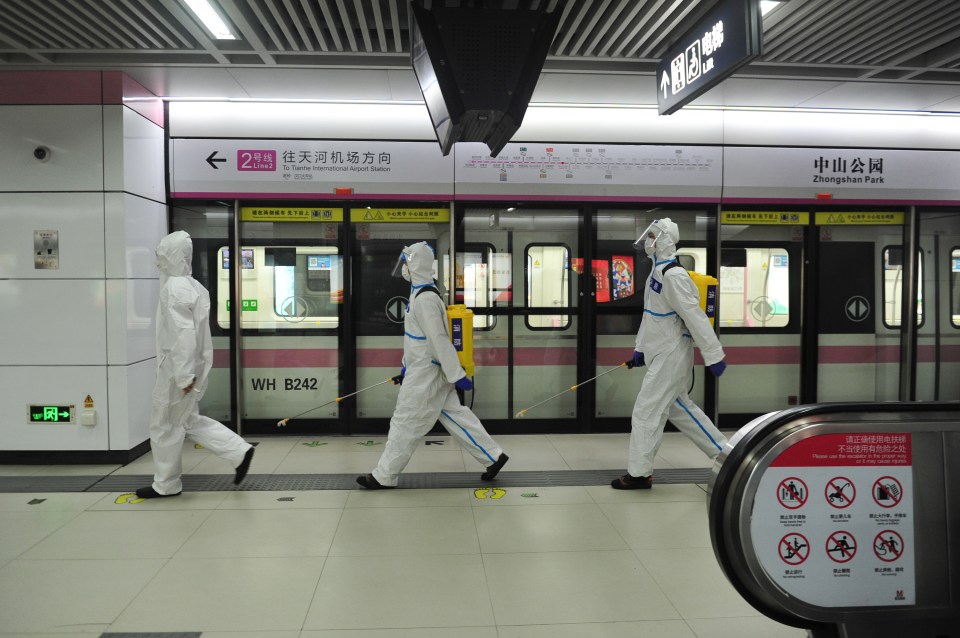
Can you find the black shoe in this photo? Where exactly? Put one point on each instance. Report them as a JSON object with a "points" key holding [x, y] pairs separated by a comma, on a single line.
{"points": [[627, 482], [243, 467], [494, 469], [369, 482], [149, 492]]}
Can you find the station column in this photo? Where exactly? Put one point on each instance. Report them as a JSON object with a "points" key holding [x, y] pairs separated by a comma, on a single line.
{"points": [[82, 207]]}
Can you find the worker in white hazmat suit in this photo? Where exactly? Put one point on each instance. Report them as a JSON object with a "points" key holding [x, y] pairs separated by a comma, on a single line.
{"points": [[429, 380], [184, 359], [672, 322]]}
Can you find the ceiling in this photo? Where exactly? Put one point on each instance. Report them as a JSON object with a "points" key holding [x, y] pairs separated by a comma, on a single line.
{"points": [[884, 54]]}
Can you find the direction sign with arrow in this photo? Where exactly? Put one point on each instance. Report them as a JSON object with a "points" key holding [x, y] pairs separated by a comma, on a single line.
{"points": [[212, 157]]}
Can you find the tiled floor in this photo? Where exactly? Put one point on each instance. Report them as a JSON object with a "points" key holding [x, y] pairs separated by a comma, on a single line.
{"points": [[552, 562]]}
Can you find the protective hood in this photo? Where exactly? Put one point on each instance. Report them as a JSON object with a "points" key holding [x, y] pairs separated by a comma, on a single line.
{"points": [[174, 255], [419, 260], [660, 239]]}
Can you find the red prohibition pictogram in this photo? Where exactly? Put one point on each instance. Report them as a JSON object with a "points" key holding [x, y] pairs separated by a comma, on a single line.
{"points": [[888, 546], [840, 492], [792, 493], [794, 549], [887, 492], [841, 547]]}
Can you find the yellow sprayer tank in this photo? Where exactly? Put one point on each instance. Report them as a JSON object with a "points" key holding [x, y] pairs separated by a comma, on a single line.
{"points": [[460, 325], [707, 287]]}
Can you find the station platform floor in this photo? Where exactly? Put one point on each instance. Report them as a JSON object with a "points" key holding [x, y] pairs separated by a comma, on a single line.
{"points": [[548, 550]]}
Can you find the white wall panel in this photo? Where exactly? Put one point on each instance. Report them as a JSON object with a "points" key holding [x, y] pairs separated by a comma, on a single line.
{"points": [[74, 134], [872, 130], [56, 322], [131, 390], [596, 125], [133, 153], [133, 228], [78, 218], [300, 121], [131, 307], [52, 385]]}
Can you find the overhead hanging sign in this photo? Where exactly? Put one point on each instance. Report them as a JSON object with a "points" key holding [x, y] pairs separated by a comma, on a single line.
{"points": [[723, 41]]}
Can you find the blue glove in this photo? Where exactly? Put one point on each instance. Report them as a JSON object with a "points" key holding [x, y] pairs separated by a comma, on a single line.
{"points": [[636, 362], [464, 384], [398, 380], [717, 368]]}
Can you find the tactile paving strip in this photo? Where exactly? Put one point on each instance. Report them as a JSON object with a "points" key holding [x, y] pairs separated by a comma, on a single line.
{"points": [[301, 482]]}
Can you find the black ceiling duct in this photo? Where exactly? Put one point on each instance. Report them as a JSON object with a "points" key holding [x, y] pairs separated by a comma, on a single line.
{"points": [[477, 68]]}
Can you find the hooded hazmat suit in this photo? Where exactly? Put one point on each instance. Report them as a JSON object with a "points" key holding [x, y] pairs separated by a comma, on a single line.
{"points": [[672, 322], [184, 359], [427, 394]]}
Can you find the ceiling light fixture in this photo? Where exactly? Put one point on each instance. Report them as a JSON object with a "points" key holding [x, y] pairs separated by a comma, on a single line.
{"points": [[767, 5], [210, 19]]}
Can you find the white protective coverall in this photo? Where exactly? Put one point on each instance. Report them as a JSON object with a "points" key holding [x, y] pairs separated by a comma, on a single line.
{"points": [[184, 358], [672, 322], [427, 394]]}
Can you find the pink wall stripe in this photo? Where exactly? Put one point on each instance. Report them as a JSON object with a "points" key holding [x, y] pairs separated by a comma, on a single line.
{"points": [[50, 87], [79, 87], [308, 196]]}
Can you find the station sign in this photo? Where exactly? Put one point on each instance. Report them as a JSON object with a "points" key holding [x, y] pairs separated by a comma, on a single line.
{"points": [[50, 413], [856, 218], [728, 37], [386, 215], [290, 214], [764, 218]]}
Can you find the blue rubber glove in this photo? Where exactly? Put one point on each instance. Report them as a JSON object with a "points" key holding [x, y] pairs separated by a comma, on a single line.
{"points": [[464, 384], [717, 368], [398, 380], [636, 362]]}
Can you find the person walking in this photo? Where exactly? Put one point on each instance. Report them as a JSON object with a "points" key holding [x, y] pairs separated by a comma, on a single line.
{"points": [[184, 359], [672, 323], [429, 379]]}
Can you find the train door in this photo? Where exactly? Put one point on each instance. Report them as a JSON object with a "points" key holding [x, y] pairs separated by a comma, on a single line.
{"points": [[761, 266], [518, 270], [859, 267], [291, 283], [620, 270], [938, 338], [379, 301]]}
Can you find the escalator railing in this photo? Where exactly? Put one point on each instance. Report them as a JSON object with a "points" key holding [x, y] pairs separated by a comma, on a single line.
{"points": [[844, 519]]}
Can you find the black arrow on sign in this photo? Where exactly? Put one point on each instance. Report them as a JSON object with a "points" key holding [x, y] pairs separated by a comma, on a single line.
{"points": [[212, 158]]}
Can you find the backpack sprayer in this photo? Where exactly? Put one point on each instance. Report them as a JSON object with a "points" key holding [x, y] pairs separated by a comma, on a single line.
{"points": [[460, 327]]}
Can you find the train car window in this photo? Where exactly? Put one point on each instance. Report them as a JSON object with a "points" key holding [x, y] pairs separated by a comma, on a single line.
{"points": [[548, 284], [483, 280], [754, 287], [955, 287], [284, 287], [893, 287]]}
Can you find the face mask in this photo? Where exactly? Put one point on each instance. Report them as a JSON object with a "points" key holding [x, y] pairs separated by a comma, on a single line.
{"points": [[405, 271], [650, 247]]}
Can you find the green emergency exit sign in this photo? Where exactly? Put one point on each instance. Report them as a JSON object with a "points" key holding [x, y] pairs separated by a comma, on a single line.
{"points": [[247, 305], [50, 413]]}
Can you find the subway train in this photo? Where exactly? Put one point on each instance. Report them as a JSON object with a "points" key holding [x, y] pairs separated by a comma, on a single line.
{"points": [[809, 308], [801, 217]]}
